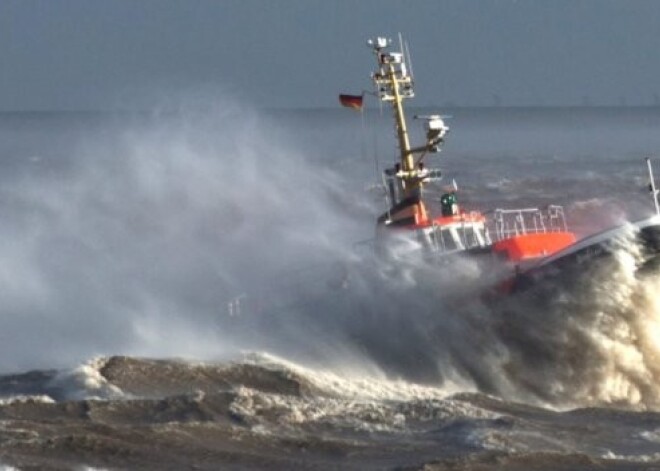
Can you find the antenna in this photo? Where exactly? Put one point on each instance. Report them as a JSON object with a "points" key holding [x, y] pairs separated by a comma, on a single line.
{"points": [[409, 60], [652, 187]]}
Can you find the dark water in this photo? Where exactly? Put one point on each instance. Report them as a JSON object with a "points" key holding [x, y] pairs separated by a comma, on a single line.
{"points": [[266, 413], [183, 289]]}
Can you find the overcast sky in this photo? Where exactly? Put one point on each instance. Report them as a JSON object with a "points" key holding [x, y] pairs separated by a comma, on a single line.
{"points": [[106, 54]]}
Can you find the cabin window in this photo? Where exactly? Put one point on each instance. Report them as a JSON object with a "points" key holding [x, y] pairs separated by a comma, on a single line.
{"points": [[449, 240], [470, 237], [480, 234]]}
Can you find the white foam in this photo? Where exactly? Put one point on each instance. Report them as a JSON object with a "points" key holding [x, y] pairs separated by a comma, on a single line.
{"points": [[87, 382], [25, 399], [358, 386], [651, 435], [258, 408], [645, 458], [365, 403], [489, 440]]}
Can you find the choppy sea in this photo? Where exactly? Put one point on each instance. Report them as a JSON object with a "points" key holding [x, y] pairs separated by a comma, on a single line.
{"points": [[186, 288]]}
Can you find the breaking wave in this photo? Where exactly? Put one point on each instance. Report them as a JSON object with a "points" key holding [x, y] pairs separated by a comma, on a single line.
{"points": [[580, 338], [590, 338]]}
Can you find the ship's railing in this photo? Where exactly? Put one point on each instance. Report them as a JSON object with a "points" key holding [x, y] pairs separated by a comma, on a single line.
{"points": [[513, 222]]}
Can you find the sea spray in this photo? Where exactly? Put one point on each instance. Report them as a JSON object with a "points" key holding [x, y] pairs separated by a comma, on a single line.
{"points": [[585, 336], [137, 243]]}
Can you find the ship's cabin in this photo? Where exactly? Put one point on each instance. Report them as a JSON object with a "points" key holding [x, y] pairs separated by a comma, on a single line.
{"points": [[447, 235], [439, 237]]}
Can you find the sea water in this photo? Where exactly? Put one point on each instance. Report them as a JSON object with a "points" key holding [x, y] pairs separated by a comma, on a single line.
{"points": [[185, 288]]}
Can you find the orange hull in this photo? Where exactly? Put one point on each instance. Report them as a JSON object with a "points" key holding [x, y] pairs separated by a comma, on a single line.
{"points": [[528, 246]]}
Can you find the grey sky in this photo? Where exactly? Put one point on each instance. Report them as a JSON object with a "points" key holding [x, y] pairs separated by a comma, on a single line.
{"points": [[88, 54]]}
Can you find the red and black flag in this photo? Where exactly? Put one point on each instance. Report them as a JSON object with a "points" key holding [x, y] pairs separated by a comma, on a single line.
{"points": [[351, 101]]}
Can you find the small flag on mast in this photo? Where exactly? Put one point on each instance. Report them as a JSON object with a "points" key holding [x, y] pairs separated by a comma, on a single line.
{"points": [[351, 101]]}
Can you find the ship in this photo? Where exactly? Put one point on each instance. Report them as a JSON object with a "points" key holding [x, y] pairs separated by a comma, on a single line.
{"points": [[530, 243], [513, 248]]}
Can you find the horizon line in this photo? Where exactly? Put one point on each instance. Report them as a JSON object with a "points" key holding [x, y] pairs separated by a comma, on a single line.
{"points": [[323, 108]]}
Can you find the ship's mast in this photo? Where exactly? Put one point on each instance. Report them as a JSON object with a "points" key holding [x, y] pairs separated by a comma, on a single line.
{"points": [[394, 85]]}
